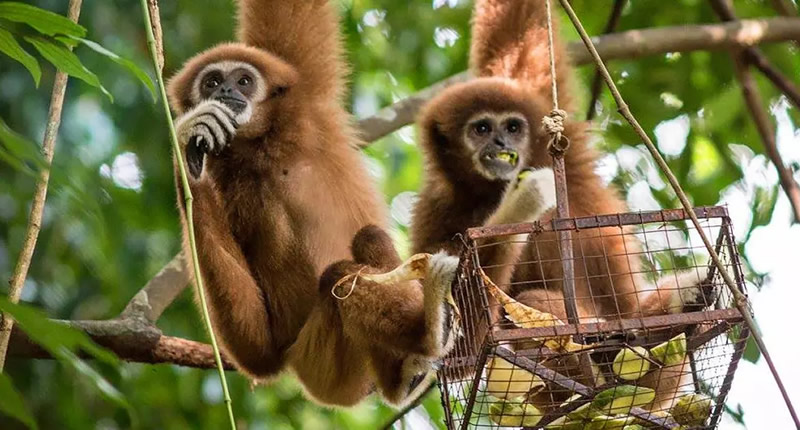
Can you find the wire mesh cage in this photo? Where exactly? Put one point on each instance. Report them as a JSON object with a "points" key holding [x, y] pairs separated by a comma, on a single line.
{"points": [[654, 346]]}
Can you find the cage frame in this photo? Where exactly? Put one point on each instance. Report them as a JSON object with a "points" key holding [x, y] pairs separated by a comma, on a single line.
{"points": [[724, 319]]}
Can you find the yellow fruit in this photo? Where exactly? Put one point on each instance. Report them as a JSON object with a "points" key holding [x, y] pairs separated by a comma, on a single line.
{"points": [[620, 399], [507, 381], [692, 409], [527, 317], [671, 352], [631, 363], [565, 423], [514, 413]]}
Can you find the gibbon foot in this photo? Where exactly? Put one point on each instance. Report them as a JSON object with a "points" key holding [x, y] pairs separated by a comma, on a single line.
{"points": [[697, 292], [206, 129], [441, 316]]}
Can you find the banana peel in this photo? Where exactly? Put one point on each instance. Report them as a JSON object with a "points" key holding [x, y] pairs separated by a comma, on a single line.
{"points": [[414, 268], [524, 316]]}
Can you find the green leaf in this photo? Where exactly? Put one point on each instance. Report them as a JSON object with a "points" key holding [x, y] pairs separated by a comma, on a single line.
{"points": [[12, 48], [128, 64], [43, 21], [67, 62], [12, 404], [108, 391], [59, 339], [19, 151]]}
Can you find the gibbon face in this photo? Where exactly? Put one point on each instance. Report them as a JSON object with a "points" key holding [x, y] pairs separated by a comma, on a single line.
{"points": [[496, 141], [481, 131], [251, 82]]}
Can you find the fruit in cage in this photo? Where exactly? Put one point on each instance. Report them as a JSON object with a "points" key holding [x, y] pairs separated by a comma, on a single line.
{"points": [[505, 380], [633, 427], [604, 422], [565, 423], [620, 399], [631, 364], [527, 317], [514, 413], [692, 409], [671, 352]]}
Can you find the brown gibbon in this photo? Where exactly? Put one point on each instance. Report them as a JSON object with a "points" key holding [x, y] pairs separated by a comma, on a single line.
{"points": [[280, 194], [462, 131]]}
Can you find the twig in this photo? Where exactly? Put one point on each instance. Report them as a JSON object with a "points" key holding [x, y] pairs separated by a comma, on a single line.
{"points": [[627, 45], [754, 56], [739, 298], [149, 12], [408, 408], [597, 80], [753, 100], [17, 281]]}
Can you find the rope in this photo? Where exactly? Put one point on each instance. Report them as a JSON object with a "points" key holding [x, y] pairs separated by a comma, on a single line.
{"points": [[554, 122]]}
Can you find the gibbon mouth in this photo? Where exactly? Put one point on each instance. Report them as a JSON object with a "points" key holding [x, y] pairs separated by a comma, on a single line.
{"points": [[499, 162], [237, 105]]}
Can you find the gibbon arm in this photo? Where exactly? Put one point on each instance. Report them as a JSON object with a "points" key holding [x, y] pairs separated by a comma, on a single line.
{"points": [[305, 34], [509, 39], [236, 303]]}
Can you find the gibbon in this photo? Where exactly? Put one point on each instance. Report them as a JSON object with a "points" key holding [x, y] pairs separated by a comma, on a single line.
{"points": [[280, 194], [469, 158]]}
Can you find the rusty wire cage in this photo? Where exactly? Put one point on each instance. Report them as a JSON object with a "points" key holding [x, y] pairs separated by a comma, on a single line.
{"points": [[668, 370]]}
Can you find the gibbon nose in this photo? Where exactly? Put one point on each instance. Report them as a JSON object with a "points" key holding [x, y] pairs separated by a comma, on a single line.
{"points": [[500, 142]]}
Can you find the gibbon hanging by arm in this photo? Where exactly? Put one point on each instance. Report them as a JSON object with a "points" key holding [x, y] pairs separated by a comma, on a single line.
{"points": [[280, 194], [465, 183]]}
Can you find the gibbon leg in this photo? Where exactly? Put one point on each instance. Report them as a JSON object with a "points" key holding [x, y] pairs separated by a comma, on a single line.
{"points": [[404, 317], [333, 368], [236, 303]]}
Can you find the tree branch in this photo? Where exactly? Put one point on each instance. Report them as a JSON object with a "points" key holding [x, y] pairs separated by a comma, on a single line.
{"points": [[753, 100], [17, 281], [624, 45], [151, 301], [755, 57], [597, 81]]}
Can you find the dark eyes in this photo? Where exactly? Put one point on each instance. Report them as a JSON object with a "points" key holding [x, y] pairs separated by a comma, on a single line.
{"points": [[513, 126], [482, 127], [245, 81], [212, 82]]}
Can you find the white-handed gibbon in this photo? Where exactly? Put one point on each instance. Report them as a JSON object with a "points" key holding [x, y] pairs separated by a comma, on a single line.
{"points": [[476, 135], [280, 194]]}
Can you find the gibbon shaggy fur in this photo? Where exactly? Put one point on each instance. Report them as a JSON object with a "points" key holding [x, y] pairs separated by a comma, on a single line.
{"points": [[280, 194], [465, 183]]}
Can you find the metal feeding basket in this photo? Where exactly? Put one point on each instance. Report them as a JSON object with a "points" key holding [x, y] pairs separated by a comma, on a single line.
{"points": [[665, 371]]}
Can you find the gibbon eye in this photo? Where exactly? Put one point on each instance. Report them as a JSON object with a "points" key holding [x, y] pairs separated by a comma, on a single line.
{"points": [[513, 126], [482, 127], [245, 80], [212, 82]]}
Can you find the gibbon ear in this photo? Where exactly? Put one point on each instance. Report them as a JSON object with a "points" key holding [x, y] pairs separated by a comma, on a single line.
{"points": [[437, 136], [278, 91]]}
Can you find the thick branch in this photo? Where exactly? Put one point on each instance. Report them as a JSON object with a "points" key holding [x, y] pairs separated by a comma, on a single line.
{"points": [[160, 291], [627, 45], [40, 194], [131, 339]]}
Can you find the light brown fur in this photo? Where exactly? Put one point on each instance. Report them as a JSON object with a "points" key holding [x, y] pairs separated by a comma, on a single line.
{"points": [[283, 201], [510, 58]]}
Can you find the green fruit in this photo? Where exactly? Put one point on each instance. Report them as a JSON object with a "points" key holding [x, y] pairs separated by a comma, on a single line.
{"points": [[633, 427], [671, 352], [506, 381], [564, 423], [620, 400], [514, 413], [631, 364], [603, 422], [692, 409]]}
